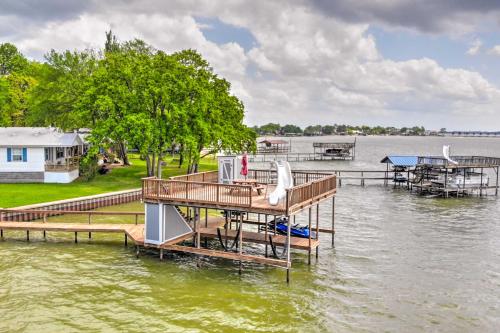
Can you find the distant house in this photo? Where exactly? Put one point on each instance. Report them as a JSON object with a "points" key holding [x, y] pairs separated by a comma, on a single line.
{"points": [[39, 154]]}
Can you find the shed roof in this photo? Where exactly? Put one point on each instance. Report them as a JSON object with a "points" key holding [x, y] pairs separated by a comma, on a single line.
{"points": [[401, 161], [37, 137]]}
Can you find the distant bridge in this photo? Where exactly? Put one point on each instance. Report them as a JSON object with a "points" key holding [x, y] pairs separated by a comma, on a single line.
{"points": [[474, 133]]}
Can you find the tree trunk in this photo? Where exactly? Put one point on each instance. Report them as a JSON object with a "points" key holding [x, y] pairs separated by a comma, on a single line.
{"points": [[158, 166], [148, 165], [181, 159], [153, 164], [123, 154]]}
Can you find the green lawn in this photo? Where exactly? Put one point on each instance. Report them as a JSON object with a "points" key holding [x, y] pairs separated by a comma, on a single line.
{"points": [[12, 195]]}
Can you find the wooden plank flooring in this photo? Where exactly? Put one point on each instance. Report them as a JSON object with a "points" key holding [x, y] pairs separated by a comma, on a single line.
{"points": [[227, 255], [255, 237], [135, 232]]}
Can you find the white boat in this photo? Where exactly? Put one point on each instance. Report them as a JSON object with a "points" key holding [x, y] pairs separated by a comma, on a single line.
{"points": [[457, 180]]}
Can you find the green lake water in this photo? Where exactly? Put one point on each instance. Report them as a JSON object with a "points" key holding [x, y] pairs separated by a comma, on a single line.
{"points": [[401, 263]]}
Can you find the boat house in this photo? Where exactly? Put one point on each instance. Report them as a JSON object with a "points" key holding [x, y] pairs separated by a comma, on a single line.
{"points": [[445, 176], [334, 150], [39, 155], [273, 146]]}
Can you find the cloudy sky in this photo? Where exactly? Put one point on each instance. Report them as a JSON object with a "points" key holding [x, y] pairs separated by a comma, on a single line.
{"points": [[388, 62]]}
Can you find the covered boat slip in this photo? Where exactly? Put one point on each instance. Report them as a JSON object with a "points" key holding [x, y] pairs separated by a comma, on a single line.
{"points": [[246, 214], [447, 176]]}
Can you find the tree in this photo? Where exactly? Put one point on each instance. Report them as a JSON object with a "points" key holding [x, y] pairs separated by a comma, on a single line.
{"points": [[291, 129], [11, 60], [269, 128], [63, 84], [328, 130], [16, 80], [312, 130], [213, 117]]}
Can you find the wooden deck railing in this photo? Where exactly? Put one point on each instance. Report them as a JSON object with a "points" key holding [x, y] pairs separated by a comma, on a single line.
{"points": [[197, 192], [207, 177], [19, 215], [309, 193], [463, 161], [299, 177], [70, 163], [313, 187]]}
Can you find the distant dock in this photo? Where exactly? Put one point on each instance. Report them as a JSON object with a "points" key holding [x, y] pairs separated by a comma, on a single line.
{"points": [[322, 151]]}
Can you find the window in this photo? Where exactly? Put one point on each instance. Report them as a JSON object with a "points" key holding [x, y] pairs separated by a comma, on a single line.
{"points": [[17, 154], [59, 152], [48, 154]]}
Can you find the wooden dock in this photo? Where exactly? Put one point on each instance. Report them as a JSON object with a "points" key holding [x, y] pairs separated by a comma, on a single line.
{"points": [[132, 231], [260, 238]]}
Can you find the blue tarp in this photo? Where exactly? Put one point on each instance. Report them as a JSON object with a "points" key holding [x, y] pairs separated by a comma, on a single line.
{"points": [[401, 161]]}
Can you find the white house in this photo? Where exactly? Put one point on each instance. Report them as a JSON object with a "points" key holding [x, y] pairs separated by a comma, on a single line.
{"points": [[39, 155]]}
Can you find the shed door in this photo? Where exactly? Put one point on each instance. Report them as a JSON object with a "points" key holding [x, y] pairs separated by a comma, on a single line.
{"points": [[227, 171]]}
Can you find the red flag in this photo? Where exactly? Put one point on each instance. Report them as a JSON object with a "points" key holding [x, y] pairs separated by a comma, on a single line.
{"points": [[244, 166]]}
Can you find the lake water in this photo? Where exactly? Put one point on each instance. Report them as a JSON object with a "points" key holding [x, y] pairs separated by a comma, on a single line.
{"points": [[401, 263]]}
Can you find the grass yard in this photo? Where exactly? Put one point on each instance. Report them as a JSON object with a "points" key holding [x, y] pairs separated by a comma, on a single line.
{"points": [[122, 178]]}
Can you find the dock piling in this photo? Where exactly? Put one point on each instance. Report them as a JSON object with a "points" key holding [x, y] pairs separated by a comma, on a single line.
{"points": [[310, 231], [333, 221], [317, 230]]}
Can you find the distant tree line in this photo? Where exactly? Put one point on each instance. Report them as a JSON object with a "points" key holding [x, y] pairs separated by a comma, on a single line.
{"points": [[130, 95], [336, 129]]}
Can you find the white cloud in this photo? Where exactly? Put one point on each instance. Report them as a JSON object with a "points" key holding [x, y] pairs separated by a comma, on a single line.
{"points": [[495, 50], [475, 47], [304, 68]]}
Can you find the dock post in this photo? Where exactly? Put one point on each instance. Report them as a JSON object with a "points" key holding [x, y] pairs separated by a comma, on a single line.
{"points": [[198, 237], [76, 237], [240, 241], [265, 234], [496, 188], [288, 254], [317, 230], [137, 251], [446, 183], [161, 254], [126, 240], [27, 235], [90, 220], [206, 225], [1, 233], [309, 240], [481, 184], [44, 235], [333, 221], [226, 226]]}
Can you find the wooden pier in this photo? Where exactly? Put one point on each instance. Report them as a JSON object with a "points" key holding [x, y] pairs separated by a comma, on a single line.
{"points": [[245, 208]]}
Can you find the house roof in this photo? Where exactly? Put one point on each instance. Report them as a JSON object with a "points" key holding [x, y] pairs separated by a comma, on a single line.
{"points": [[401, 161], [37, 137]]}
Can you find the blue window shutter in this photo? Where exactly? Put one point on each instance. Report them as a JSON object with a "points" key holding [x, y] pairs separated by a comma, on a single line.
{"points": [[9, 154], [25, 154]]}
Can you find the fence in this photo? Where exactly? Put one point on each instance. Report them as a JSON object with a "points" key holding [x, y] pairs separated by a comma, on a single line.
{"points": [[33, 212]]}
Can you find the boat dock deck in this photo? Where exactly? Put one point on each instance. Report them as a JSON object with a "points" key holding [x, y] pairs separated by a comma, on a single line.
{"points": [[134, 232], [259, 238]]}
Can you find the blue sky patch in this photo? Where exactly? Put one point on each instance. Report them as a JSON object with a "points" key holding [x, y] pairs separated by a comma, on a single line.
{"points": [[399, 45], [219, 32]]}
